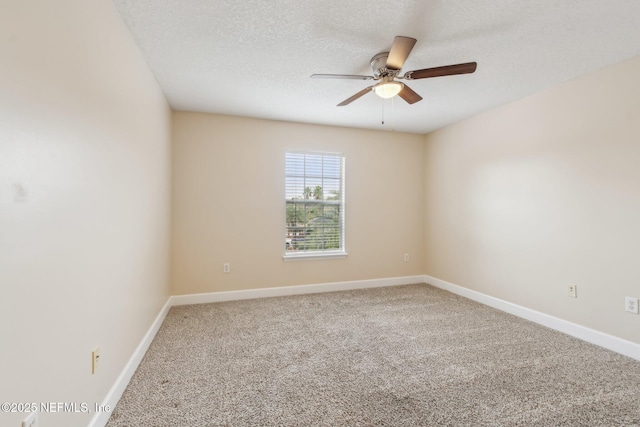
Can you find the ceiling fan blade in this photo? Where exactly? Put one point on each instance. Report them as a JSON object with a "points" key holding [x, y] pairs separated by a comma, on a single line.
{"points": [[447, 70], [356, 96], [409, 95], [400, 50], [340, 76]]}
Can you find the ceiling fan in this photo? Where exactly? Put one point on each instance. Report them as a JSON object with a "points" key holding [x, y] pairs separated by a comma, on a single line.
{"points": [[386, 68]]}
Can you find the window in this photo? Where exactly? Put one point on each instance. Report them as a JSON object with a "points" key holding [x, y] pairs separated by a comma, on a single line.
{"points": [[314, 205]]}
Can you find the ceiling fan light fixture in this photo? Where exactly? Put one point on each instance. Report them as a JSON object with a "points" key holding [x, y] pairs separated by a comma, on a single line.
{"points": [[388, 89]]}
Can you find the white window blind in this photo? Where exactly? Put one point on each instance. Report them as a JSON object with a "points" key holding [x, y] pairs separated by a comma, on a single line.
{"points": [[314, 205]]}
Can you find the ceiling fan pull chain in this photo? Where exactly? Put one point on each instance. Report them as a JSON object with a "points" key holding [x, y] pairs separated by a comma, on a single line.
{"points": [[382, 111], [393, 106], [393, 110]]}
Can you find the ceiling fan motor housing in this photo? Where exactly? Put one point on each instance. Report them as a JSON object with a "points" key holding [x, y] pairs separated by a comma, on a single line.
{"points": [[379, 66]]}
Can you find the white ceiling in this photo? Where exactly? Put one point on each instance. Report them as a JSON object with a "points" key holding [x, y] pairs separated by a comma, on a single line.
{"points": [[254, 57]]}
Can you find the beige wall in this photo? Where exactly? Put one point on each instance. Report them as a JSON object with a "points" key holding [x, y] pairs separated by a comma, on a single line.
{"points": [[84, 202], [523, 200], [228, 203]]}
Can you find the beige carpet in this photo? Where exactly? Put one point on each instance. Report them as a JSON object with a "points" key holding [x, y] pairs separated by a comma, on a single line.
{"points": [[399, 356]]}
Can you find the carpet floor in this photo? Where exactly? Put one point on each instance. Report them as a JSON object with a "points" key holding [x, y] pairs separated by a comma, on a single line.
{"points": [[409, 355]]}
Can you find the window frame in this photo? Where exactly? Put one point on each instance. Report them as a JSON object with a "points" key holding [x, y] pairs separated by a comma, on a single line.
{"points": [[309, 254]]}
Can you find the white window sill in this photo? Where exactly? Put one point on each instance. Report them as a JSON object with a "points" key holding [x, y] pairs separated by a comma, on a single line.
{"points": [[307, 256]]}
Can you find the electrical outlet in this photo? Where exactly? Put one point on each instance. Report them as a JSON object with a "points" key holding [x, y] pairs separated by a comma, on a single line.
{"points": [[226, 267], [573, 291], [406, 257], [95, 360], [31, 420], [631, 305]]}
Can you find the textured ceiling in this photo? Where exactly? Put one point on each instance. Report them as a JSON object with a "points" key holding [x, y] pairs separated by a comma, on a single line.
{"points": [[254, 57]]}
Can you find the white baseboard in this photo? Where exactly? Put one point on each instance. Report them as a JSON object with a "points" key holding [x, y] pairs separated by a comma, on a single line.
{"points": [[601, 339], [113, 396], [292, 290]]}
